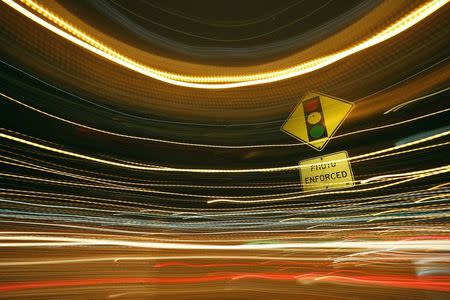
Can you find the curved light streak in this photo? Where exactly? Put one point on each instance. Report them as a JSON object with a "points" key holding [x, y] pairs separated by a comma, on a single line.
{"points": [[266, 197], [143, 138], [402, 105], [129, 165], [82, 39], [230, 200]]}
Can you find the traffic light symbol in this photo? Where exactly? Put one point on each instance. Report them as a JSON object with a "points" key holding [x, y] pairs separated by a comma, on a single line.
{"points": [[315, 122], [316, 118]]}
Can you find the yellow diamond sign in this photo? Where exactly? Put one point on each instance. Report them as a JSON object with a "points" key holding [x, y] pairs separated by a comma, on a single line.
{"points": [[316, 118]]}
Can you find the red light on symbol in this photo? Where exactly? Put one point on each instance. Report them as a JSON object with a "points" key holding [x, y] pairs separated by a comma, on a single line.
{"points": [[312, 105]]}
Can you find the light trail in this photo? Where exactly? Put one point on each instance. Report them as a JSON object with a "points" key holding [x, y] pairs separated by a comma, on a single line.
{"points": [[192, 170], [76, 36], [401, 105], [376, 179], [215, 145], [158, 258], [80, 219], [230, 200], [432, 283], [406, 174], [345, 205], [267, 197], [343, 229], [426, 245]]}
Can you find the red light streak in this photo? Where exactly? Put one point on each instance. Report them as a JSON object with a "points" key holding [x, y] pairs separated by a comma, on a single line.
{"points": [[433, 283]]}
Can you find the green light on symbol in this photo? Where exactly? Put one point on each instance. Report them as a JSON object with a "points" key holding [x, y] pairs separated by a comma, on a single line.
{"points": [[316, 131]]}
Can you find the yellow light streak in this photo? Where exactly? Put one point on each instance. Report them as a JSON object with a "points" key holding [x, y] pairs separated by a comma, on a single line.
{"points": [[230, 200], [215, 145], [369, 214], [266, 198], [38, 241], [157, 258], [439, 186], [142, 167], [376, 179], [401, 105], [353, 228], [74, 35], [434, 197], [406, 174], [186, 257]]}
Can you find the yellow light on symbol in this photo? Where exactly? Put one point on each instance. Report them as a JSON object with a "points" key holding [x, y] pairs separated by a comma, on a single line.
{"points": [[314, 118]]}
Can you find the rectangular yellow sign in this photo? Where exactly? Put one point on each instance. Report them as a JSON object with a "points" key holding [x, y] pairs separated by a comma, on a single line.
{"points": [[332, 171]]}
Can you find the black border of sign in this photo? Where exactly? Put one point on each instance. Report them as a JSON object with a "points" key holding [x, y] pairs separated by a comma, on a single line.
{"points": [[332, 134]]}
